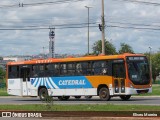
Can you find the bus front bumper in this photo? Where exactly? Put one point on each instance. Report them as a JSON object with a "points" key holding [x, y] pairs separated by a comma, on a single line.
{"points": [[131, 91]]}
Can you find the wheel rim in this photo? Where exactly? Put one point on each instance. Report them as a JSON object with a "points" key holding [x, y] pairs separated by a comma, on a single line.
{"points": [[104, 94], [43, 94]]}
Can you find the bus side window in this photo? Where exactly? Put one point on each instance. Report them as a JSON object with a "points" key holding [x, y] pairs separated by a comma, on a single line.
{"points": [[63, 69], [10, 72], [84, 68], [41, 70], [56, 70], [97, 68], [78, 69], [47, 70], [100, 68], [87, 68], [13, 72], [104, 66], [71, 69], [34, 71]]}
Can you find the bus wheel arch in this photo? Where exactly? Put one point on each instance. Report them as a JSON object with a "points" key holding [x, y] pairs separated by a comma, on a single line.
{"points": [[103, 92], [42, 93]]}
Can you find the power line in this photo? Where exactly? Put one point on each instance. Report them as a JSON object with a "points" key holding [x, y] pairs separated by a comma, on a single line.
{"points": [[39, 3], [141, 2], [135, 24], [55, 2], [94, 26], [125, 25]]}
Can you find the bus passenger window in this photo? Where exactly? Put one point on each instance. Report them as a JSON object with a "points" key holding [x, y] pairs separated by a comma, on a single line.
{"points": [[41, 71], [56, 70], [99, 68], [85, 68], [96, 68], [71, 69], [13, 72], [78, 69], [34, 71], [63, 69]]}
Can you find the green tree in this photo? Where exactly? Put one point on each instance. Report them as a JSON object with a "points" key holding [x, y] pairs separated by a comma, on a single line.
{"points": [[2, 74], [155, 58], [109, 48], [125, 48]]}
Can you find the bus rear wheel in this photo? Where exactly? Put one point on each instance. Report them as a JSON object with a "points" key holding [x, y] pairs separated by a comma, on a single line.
{"points": [[125, 97], [63, 97], [43, 94], [104, 94]]}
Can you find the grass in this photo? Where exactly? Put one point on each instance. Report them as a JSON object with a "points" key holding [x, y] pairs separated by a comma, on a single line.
{"points": [[3, 92], [106, 107]]}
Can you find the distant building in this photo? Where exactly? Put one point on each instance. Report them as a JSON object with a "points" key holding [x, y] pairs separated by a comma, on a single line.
{"points": [[5, 60], [16, 59]]}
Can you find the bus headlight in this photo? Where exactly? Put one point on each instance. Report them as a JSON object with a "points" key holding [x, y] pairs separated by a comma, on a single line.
{"points": [[116, 89], [131, 86], [122, 89], [122, 86], [116, 86]]}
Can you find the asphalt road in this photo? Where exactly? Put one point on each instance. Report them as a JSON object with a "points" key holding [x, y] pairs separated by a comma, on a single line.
{"points": [[136, 100]]}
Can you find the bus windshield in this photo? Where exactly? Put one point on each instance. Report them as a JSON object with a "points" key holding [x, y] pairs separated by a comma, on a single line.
{"points": [[138, 71]]}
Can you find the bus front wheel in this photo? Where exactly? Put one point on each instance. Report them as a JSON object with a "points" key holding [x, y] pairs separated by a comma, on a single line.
{"points": [[125, 97], [104, 94], [43, 94]]}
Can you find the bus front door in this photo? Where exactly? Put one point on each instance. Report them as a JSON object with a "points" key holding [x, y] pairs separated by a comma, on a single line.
{"points": [[118, 77], [25, 75]]}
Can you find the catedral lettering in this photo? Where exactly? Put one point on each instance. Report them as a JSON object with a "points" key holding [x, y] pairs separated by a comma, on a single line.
{"points": [[72, 82], [105, 76]]}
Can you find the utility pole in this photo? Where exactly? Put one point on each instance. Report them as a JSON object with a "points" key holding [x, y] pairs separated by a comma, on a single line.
{"points": [[88, 26], [150, 62], [103, 29]]}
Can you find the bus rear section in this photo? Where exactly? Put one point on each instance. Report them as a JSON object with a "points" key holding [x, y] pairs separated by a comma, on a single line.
{"points": [[18, 81]]}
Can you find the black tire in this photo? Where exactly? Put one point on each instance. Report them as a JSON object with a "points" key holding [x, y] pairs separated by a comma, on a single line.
{"points": [[125, 97], [63, 97], [104, 94], [43, 94], [77, 97], [88, 97]]}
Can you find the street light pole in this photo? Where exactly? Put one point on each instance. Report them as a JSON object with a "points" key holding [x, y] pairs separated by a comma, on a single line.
{"points": [[88, 26], [43, 52], [150, 61]]}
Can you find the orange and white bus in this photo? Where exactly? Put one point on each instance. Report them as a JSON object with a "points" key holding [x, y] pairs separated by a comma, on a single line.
{"points": [[104, 76]]}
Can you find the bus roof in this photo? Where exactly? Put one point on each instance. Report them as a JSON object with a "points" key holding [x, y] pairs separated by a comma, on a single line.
{"points": [[72, 59]]}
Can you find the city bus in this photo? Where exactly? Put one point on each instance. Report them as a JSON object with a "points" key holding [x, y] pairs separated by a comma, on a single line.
{"points": [[104, 76]]}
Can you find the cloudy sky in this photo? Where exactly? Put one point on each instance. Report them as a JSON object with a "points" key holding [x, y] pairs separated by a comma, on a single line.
{"points": [[24, 30]]}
